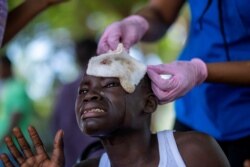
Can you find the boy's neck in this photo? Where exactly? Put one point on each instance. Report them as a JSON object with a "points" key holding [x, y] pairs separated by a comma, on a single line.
{"points": [[134, 149]]}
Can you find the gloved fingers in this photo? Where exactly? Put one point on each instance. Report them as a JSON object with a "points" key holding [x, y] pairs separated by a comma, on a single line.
{"points": [[162, 96], [110, 39], [108, 44], [127, 43], [161, 83], [158, 92], [164, 69], [128, 31], [155, 78], [102, 46], [133, 29], [129, 37], [114, 40], [167, 96], [160, 68]]}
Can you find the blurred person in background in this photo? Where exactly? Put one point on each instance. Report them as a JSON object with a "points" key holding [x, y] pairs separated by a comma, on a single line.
{"points": [[16, 108], [63, 116], [12, 22], [217, 52]]}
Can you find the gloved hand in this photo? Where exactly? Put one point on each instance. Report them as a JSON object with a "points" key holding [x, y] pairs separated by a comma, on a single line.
{"points": [[184, 76], [127, 31]]}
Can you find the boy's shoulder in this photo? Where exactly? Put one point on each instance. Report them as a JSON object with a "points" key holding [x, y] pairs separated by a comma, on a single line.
{"points": [[193, 138], [197, 148], [93, 162]]}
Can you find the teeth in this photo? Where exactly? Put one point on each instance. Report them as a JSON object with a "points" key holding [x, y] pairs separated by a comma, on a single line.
{"points": [[93, 110]]}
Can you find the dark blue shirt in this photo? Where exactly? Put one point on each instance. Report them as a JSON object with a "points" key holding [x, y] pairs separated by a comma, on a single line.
{"points": [[219, 32]]}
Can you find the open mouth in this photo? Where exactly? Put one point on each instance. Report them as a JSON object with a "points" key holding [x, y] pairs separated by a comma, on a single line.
{"points": [[94, 112]]}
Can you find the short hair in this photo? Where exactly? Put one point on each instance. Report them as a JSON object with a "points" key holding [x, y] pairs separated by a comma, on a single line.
{"points": [[146, 84], [84, 50]]}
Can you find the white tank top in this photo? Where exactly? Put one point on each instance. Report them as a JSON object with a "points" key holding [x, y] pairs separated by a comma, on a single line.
{"points": [[168, 151]]}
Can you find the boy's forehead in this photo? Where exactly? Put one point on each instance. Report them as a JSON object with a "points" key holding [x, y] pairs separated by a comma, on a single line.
{"points": [[87, 77], [120, 65]]}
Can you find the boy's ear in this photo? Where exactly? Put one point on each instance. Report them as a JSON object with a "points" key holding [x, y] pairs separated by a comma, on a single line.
{"points": [[151, 104]]}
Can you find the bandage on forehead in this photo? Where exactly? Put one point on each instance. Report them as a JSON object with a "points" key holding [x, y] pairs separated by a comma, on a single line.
{"points": [[118, 64]]}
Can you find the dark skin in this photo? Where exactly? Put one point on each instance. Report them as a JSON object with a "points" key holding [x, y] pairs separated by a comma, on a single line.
{"points": [[19, 17], [120, 125], [40, 156], [121, 121]]}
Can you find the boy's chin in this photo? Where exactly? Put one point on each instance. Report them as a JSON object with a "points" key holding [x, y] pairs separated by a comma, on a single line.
{"points": [[96, 133], [92, 131]]}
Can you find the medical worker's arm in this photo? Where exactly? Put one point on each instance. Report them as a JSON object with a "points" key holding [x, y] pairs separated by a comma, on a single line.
{"points": [[160, 14], [23, 14], [148, 24], [235, 73], [187, 74]]}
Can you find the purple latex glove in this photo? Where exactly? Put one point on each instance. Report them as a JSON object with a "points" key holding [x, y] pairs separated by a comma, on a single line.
{"points": [[127, 31], [184, 76]]}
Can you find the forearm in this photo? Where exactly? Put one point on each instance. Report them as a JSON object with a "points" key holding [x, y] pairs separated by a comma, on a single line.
{"points": [[160, 14], [236, 73], [157, 26], [20, 16]]}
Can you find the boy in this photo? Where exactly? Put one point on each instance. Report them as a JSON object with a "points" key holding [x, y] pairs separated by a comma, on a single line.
{"points": [[117, 109]]}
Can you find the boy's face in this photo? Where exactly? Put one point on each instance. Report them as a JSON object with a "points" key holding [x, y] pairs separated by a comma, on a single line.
{"points": [[103, 107]]}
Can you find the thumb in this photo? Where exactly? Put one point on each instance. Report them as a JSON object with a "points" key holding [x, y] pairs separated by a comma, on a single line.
{"points": [[159, 81], [58, 153], [164, 68], [160, 68]]}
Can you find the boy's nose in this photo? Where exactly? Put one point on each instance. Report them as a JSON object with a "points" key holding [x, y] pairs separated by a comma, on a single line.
{"points": [[92, 95]]}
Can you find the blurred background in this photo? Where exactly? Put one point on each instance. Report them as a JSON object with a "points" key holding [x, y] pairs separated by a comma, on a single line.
{"points": [[42, 53]]}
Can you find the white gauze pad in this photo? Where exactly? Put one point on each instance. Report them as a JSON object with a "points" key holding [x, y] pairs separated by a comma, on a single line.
{"points": [[118, 64]]}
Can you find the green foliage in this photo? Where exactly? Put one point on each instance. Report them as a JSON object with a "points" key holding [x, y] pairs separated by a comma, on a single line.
{"points": [[89, 18], [74, 14]]}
